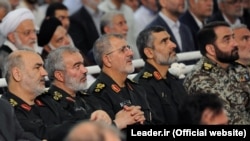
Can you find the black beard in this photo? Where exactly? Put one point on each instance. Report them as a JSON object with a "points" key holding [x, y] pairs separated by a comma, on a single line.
{"points": [[226, 58]]}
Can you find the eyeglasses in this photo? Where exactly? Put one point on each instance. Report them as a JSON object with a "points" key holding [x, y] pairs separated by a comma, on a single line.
{"points": [[27, 32], [233, 1], [123, 49]]}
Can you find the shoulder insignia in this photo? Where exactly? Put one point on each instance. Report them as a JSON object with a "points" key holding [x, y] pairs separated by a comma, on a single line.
{"points": [[207, 66], [147, 75], [39, 103], [115, 88], [13, 102], [99, 87], [57, 95], [26, 107], [70, 99], [157, 75]]}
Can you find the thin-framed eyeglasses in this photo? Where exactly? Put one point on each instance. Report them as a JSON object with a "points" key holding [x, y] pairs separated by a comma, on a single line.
{"points": [[27, 32], [122, 49]]}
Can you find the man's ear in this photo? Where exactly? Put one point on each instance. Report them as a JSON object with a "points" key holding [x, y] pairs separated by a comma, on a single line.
{"points": [[11, 37], [59, 76], [17, 74], [148, 52], [210, 49], [106, 29], [106, 61]]}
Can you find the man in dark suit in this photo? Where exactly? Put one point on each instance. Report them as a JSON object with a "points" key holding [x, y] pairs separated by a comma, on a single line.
{"points": [[230, 12], [168, 17], [196, 15], [85, 27]]}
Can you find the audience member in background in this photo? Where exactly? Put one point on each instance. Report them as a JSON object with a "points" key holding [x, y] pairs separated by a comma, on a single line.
{"points": [[52, 35], [202, 109], [25, 77], [68, 76], [133, 4], [112, 87], [230, 11], [94, 131], [119, 5], [196, 15], [168, 17], [85, 27], [242, 37], [60, 11], [32, 5], [145, 14], [72, 6], [4, 9], [164, 90], [111, 22], [216, 74], [11, 129], [18, 31], [14, 4], [44, 4], [246, 12]]}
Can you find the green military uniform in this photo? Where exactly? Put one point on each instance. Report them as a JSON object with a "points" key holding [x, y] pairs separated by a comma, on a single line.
{"points": [[232, 87]]}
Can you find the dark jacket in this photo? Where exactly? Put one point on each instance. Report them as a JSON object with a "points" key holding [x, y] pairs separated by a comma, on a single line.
{"points": [[44, 119], [10, 127], [164, 95], [113, 98]]}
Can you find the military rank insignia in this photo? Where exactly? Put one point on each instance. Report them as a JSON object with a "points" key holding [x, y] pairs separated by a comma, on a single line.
{"points": [[57, 95], [13, 102], [147, 75], [157, 75], [115, 88], [99, 87], [207, 66], [26, 107], [243, 78]]}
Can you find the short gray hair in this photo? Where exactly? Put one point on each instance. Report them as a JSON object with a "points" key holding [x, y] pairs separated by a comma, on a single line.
{"points": [[54, 60]]}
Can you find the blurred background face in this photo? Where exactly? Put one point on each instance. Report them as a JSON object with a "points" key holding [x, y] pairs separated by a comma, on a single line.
{"points": [[60, 38], [25, 35], [242, 37], [14, 3], [175, 7], [201, 8], [150, 4], [134, 4], [63, 17], [232, 8], [119, 25]]}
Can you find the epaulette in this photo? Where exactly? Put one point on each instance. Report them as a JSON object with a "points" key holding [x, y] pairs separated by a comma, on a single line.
{"points": [[147, 75], [13, 102], [99, 87], [207, 66], [57, 96]]}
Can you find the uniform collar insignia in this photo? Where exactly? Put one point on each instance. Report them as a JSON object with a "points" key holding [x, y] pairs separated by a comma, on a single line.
{"points": [[57, 96], [39, 103], [115, 88], [157, 75], [207, 66], [99, 87], [147, 75], [26, 107], [13, 102], [70, 99]]}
